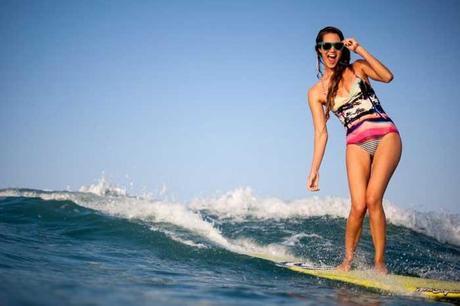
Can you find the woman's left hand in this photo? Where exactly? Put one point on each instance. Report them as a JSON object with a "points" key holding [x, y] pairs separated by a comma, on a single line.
{"points": [[351, 44]]}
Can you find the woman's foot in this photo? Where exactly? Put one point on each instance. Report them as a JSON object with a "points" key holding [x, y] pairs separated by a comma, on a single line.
{"points": [[381, 268], [345, 265]]}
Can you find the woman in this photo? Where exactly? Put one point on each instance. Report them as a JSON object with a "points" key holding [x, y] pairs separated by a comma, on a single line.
{"points": [[373, 145]]}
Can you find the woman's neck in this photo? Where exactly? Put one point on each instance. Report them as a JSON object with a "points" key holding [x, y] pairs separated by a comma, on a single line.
{"points": [[328, 73]]}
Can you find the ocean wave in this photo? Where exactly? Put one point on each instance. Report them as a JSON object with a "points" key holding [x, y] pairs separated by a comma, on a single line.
{"points": [[156, 211], [239, 205]]}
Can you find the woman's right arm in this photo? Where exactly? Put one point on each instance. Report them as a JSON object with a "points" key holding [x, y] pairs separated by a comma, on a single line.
{"points": [[319, 123]]}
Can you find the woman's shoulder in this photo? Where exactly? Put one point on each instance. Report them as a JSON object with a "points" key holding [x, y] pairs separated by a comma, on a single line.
{"points": [[357, 67], [315, 92], [314, 89]]}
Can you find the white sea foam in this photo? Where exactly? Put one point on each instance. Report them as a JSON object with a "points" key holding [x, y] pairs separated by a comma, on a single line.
{"points": [[239, 205], [295, 239], [177, 214], [103, 187], [175, 237]]}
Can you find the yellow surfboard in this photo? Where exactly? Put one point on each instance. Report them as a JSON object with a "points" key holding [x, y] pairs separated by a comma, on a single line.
{"points": [[396, 284]]}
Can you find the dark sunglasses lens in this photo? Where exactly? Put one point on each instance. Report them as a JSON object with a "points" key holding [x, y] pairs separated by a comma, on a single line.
{"points": [[338, 46], [327, 46]]}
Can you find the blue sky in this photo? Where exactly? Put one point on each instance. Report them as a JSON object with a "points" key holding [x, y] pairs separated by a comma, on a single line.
{"points": [[207, 96]]}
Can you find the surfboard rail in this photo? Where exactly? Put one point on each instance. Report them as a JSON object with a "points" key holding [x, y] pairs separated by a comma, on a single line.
{"points": [[391, 283]]}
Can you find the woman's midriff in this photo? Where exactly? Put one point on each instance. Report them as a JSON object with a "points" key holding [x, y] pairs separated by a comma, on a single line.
{"points": [[371, 130]]}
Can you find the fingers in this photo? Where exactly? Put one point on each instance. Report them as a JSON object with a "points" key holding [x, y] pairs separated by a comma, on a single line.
{"points": [[348, 42], [351, 43], [312, 184], [350, 39]]}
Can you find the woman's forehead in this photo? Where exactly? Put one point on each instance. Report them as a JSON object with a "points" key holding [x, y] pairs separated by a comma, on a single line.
{"points": [[331, 37]]}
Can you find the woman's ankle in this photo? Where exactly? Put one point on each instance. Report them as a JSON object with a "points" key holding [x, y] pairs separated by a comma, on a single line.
{"points": [[345, 265], [380, 267]]}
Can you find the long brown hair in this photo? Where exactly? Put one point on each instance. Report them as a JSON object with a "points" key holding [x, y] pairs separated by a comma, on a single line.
{"points": [[336, 77]]}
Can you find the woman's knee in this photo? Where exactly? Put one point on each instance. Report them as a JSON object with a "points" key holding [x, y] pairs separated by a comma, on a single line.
{"points": [[373, 201], [358, 210]]}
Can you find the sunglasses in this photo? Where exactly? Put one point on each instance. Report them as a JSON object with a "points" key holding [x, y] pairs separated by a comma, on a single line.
{"points": [[328, 45]]}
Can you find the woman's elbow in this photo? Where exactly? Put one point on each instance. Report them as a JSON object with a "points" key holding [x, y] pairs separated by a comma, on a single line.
{"points": [[321, 135], [389, 78]]}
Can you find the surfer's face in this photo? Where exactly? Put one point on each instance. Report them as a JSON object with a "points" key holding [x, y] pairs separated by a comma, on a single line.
{"points": [[331, 56]]}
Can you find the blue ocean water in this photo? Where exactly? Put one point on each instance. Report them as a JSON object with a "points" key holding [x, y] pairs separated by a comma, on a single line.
{"points": [[109, 248]]}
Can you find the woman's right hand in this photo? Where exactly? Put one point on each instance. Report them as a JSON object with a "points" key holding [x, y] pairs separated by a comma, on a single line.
{"points": [[313, 181]]}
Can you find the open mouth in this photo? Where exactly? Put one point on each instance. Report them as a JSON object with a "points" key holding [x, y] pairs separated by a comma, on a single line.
{"points": [[332, 58]]}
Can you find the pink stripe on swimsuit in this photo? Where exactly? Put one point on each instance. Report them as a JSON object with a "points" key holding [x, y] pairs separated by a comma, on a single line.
{"points": [[363, 117]]}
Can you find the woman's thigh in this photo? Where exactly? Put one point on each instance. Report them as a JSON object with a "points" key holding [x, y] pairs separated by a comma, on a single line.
{"points": [[385, 161], [358, 173]]}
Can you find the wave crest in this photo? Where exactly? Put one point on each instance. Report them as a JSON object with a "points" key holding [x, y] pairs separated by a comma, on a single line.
{"points": [[239, 205]]}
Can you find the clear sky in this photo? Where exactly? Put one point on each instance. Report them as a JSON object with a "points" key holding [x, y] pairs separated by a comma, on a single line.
{"points": [[208, 96]]}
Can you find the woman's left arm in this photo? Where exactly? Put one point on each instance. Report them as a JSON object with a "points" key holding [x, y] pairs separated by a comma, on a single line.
{"points": [[370, 65]]}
